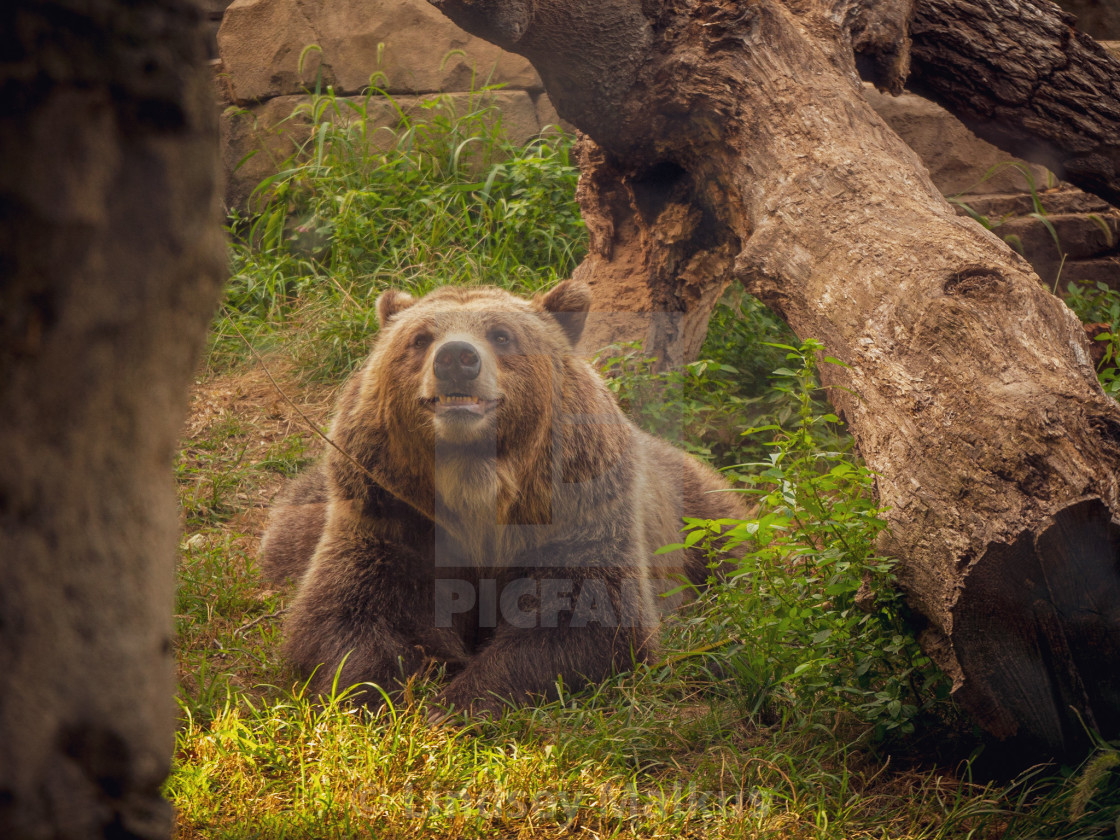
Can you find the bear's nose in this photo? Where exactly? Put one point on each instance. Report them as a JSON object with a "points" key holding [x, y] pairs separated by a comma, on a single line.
{"points": [[456, 360]]}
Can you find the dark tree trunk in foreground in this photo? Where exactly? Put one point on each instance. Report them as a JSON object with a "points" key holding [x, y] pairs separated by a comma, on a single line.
{"points": [[110, 264], [730, 141]]}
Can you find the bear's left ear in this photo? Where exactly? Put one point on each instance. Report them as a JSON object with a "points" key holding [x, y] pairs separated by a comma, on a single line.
{"points": [[390, 303], [567, 304]]}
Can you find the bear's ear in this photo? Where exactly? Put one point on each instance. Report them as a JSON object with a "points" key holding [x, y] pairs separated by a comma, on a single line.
{"points": [[567, 304], [392, 302]]}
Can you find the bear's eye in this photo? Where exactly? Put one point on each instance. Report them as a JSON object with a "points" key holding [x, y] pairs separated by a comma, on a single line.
{"points": [[421, 341], [500, 337]]}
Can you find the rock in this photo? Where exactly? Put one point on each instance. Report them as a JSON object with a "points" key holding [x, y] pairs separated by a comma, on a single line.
{"points": [[1064, 199], [254, 141], [546, 114], [1090, 272], [1078, 236], [958, 160], [1099, 19], [409, 46], [222, 87]]}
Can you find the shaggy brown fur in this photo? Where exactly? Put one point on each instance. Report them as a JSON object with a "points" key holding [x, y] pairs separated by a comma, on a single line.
{"points": [[495, 511]]}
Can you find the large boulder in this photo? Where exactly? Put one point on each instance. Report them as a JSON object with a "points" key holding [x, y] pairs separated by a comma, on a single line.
{"points": [[958, 161], [403, 47]]}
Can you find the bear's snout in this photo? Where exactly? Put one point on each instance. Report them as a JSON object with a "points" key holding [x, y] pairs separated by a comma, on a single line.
{"points": [[457, 361]]}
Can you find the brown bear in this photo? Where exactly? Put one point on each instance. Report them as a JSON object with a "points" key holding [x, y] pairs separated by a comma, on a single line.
{"points": [[486, 505]]}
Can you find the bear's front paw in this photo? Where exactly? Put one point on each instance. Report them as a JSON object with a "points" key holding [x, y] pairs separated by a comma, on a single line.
{"points": [[451, 703]]}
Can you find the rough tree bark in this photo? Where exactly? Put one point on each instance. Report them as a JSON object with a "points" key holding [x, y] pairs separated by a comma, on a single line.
{"points": [[111, 260], [730, 140], [1019, 75]]}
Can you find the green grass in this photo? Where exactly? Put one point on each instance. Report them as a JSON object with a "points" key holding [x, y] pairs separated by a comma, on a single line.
{"points": [[792, 702], [442, 199], [609, 764]]}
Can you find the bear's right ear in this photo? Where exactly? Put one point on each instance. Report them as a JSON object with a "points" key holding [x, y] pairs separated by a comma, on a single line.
{"points": [[392, 302], [567, 303]]}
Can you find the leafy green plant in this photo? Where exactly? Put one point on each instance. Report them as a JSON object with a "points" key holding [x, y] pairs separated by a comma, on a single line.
{"points": [[810, 619], [817, 622], [703, 405], [1101, 305], [668, 402]]}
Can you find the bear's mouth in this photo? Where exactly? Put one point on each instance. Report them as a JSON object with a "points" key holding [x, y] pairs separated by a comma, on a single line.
{"points": [[461, 403]]}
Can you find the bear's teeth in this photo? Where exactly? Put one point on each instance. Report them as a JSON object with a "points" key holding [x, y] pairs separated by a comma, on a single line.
{"points": [[457, 399]]}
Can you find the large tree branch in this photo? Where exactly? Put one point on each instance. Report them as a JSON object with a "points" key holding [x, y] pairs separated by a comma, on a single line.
{"points": [[1019, 75], [588, 54]]}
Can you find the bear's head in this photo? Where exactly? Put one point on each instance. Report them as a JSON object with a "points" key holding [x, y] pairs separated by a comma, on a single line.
{"points": [[476, 366]]}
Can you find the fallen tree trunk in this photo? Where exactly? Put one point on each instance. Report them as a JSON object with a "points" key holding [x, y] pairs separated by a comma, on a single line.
{"points": [[1019, 75], [730, 141]]}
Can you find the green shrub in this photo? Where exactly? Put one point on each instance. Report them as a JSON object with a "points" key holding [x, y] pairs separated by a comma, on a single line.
{"points": [[703, 406], [810, 621]]}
